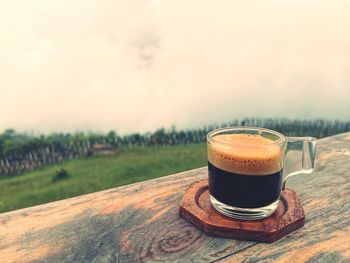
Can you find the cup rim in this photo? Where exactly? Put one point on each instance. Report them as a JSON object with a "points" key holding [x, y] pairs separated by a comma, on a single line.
{"points": [[211, 134]]}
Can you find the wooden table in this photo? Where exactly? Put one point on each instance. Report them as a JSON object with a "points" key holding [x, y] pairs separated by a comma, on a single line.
{"points": [[140, 223]]}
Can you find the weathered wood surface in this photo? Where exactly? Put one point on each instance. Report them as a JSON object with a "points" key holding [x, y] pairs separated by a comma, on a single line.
{"points": [[196, 208], [140, 223]]}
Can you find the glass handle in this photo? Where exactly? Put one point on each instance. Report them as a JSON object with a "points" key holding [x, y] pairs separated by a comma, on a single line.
{"points": [[307, 145]]}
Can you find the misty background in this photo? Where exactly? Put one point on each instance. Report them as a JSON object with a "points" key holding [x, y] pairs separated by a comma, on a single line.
{"points": [[138, 65]]}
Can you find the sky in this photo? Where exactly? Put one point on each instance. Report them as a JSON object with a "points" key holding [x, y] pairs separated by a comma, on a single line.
{"points": [[137, 65]]}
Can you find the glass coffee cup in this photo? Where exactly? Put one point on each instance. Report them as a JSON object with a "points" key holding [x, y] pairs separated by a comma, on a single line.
{"points": [[245, 167]]}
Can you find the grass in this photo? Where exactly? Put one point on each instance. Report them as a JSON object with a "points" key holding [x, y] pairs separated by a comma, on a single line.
{"points": [[98, 173]]}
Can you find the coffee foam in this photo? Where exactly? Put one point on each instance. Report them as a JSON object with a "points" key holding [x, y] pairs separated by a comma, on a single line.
{"points": [[245, 154]]}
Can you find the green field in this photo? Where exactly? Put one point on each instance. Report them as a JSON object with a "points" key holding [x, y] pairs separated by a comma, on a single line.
{"points": [[98, 173]]}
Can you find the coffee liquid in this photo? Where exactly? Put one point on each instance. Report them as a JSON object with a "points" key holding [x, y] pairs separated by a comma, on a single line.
{"points": [[244, 170]]}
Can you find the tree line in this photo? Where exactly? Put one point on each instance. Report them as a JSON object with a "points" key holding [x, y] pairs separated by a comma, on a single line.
{"points": [[20, 152]]}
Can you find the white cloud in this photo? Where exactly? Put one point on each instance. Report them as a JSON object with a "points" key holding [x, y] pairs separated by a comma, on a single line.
{"points": [[138, 65]]}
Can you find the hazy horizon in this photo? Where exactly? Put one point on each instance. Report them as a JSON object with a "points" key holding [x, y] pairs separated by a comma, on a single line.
{"points": [[135, 66]]}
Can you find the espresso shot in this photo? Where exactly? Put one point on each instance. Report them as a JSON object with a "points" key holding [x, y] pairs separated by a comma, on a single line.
{"points": [[245, 171]]}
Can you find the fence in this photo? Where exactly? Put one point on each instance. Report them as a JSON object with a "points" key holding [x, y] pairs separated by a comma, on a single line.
{"points": [[35, 153]]}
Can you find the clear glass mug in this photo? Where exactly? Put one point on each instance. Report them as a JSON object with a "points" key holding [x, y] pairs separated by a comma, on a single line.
{"points": [[245, 167]]}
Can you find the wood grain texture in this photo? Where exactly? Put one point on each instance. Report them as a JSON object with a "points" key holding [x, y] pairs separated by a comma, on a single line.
{"points": [[196, 208], [140, 223]]}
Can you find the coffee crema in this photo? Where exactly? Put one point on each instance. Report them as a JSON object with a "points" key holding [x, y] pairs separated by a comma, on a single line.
{"points": [[245, 154], [245, 170]]}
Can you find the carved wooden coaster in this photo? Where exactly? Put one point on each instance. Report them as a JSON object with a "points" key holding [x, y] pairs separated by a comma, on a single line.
{"points": [[196, 208]]}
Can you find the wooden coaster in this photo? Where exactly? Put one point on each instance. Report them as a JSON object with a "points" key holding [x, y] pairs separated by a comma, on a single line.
{"points": [[196, 208]]}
